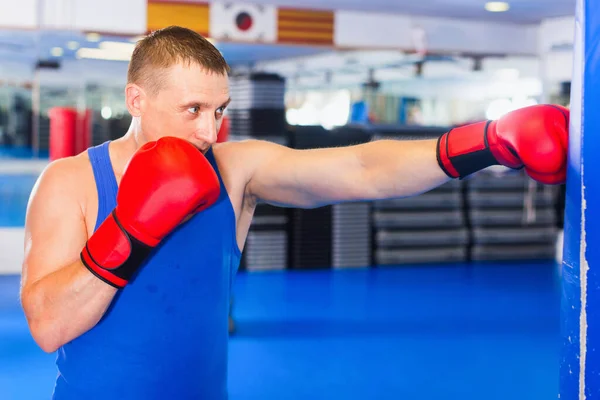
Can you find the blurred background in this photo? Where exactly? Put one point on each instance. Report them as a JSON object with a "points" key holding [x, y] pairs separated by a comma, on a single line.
{"points": [[450, 294]]}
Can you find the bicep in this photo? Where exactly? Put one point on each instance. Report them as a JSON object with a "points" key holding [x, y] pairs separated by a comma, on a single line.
{"points": [[55, 229], [308, 178]]}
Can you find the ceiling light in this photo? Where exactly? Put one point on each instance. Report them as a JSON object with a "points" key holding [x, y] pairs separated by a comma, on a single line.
{"points": [[92, 37], [497, 6], [117, 46], [106, 112], [56, 51], [100, 54], [72, 45]]}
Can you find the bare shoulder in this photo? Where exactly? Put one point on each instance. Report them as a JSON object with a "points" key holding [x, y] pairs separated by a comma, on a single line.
{"points": [[247, 148], [65, 177], [238, 162], [76, 167], [246, 155], [61, 185]]}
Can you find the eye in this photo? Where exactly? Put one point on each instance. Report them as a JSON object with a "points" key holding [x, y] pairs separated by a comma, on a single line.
{"points": [[194, 110], [220, 112]]}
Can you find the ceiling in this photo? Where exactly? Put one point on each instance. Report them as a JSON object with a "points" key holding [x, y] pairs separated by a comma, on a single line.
{"points": [[521, 11], [22, 43], [24, 47]]}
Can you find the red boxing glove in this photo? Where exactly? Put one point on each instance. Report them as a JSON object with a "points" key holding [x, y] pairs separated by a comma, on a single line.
{"points": [[164, 182], [534, 138]]}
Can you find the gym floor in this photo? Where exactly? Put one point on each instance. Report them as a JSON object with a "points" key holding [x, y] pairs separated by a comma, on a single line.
{"points": [[485, 331]]}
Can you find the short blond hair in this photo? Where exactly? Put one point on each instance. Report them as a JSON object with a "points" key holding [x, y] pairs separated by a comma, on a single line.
{"points": [[166, 47]]}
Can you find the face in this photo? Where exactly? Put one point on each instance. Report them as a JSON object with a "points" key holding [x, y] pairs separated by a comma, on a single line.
{"points": [[189, 105]]}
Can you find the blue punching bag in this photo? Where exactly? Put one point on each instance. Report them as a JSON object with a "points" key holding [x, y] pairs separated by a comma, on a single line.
{"points": [[580, 317]]}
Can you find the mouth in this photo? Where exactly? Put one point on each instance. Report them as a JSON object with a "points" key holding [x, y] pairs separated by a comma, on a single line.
{"points": [[201, 149], [204, 150]]}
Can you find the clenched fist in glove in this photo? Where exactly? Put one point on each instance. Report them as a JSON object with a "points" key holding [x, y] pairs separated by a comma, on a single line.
{"points": [[534, 138], [164, 183]]}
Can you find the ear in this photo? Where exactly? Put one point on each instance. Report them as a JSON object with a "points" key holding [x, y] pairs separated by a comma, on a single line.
{"points": [[135, 98]]}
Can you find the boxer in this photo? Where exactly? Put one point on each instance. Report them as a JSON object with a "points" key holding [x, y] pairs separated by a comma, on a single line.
{"points": [[132, 246]]}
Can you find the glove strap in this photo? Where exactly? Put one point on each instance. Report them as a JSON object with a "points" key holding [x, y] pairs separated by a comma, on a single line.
{"points": [[465, 150], [112, 254]]}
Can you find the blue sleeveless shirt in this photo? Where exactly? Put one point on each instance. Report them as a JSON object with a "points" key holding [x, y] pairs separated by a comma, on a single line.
{"points": [[165, 335]]}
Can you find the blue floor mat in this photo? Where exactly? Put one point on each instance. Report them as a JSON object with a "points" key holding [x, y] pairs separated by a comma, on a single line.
{"points": [[451, 332], [489, 332]]}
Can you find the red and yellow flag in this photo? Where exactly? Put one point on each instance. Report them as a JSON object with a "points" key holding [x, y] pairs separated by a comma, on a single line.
{"points": [[299, 26]]}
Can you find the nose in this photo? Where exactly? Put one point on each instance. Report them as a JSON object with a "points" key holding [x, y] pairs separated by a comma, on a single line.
{"points": [[206, 130]]}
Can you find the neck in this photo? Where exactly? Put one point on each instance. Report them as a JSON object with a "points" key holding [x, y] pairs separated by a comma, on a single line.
{"points": [[123, 148], [133, 138]]}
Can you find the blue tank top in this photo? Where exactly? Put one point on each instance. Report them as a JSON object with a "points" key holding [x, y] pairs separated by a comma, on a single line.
{"points": [[165, 335]]}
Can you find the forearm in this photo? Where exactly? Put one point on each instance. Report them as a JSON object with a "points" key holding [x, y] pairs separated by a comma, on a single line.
{"points": [[65, 304], [395, 168]]}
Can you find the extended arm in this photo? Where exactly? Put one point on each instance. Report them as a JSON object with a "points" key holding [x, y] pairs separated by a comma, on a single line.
{"points": [[375, 170], [534, 138]]}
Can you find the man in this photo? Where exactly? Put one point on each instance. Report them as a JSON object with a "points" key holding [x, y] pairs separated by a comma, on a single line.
{"points": [[131, 247]]}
